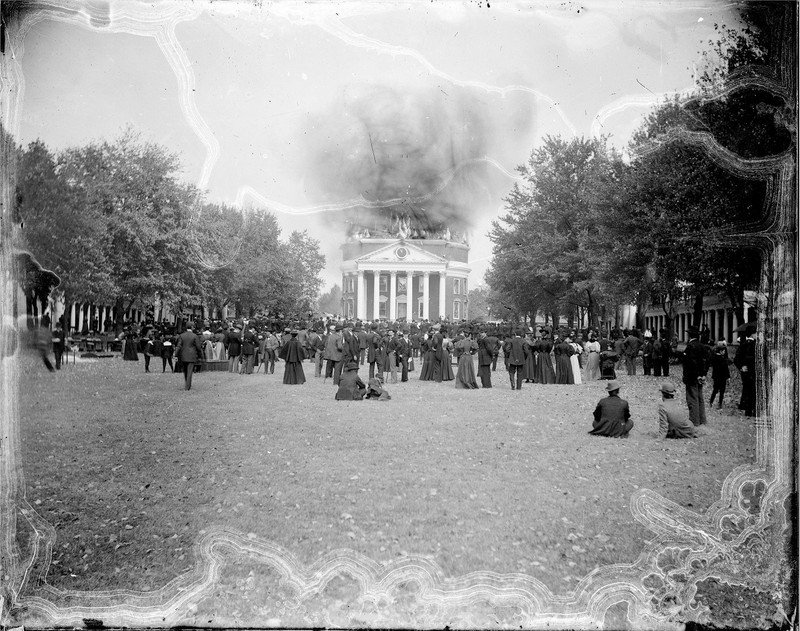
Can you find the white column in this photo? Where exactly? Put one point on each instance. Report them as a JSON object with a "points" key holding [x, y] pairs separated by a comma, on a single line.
{"points": [[376, 291], [361, 298], [410, 305], [80, 319], [442, 306], [426, 295], [393, 295], [735, 323]]}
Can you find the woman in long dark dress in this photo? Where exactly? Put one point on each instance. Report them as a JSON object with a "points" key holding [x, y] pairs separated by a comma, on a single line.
{"points": [[529, 369], [426, 373], [447, 359], [544, 364], [131, 342], [562, 352], [466, 347], [292, 354]]}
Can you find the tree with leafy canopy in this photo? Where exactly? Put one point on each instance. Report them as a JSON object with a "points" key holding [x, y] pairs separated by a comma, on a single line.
{"points": [[65, 235], [305, 262], [331, 300], [133, 185], [542, 247]]}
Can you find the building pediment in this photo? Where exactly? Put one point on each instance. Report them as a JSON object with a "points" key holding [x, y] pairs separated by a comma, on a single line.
{"points": [[400, 251]]}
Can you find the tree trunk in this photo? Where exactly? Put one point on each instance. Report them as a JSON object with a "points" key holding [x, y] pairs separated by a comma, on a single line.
{"points": [[65, 316], [697, 314], [119, 313], [642, 303]]}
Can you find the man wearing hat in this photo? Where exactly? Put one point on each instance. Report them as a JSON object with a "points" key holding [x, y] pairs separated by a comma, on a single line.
{"points": [[333, 354], [401, 350], [349, 342], [745, 361], [486, 353], [612, 416], [361, 334], [271, 345], [374, 342], [351, 388], [249, 344], [673, 421], [515, 352], [695, 366]]}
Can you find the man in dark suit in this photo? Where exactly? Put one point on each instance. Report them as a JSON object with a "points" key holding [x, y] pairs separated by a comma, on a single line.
{"points": [[401, 351], [745, 361], [630, 347], [695, 366], [361, 334], [612, 416], [350, 344], [514, 351], [189, 352], [487, 351]]}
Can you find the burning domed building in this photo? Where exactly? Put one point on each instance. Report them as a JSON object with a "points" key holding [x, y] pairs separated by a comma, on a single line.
{"points": [[402, 266]]}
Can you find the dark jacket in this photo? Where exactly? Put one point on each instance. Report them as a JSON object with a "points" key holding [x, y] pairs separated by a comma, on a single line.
{"points": [[612, 417], [234, 344], [514, 349], [351, 388], [188, 349], [695, 362], [719, 365]]}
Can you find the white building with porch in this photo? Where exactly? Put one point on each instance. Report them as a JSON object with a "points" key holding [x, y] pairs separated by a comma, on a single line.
{"points": [[410, 279]]}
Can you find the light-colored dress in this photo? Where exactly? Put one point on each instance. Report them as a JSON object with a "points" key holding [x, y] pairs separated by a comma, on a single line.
{"points": [[576, 367], [593, 360]]}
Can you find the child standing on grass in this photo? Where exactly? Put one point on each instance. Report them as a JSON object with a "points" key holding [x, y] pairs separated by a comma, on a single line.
{"points": [[148, 351], [720, 373]]}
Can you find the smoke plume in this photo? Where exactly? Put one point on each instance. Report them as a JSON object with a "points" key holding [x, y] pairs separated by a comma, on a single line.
{"points": [[406, 154]]}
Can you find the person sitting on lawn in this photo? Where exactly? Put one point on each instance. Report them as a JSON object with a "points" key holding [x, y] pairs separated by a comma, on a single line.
{"points": [[376, 392], [673, 418], [612, 416], [351, 388]]}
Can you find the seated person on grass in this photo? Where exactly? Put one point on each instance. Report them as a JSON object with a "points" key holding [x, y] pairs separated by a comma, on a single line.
{"points": [[351, 388], [612, 416], [673, 418]]}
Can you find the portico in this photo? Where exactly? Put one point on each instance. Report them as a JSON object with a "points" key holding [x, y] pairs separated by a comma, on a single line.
{"points": [[399, 279]]}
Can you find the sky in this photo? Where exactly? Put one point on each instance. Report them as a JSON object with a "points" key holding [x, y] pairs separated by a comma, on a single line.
{"points": [[316, 111]]}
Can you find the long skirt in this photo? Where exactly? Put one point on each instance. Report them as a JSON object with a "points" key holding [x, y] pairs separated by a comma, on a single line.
{"points": [[593, 367], [529, 369], [293, 373], [465, 375], [564, 370], [447, 367], [219, 351], [426, 373], [576, 369], [544, 369], [129, 351]]}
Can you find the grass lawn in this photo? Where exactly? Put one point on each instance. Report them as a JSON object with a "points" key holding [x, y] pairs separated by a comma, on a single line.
{"points": [[130, 469]]}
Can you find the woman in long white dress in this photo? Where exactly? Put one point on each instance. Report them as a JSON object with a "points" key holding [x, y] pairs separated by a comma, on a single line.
{"points": [[592, 348], [573, 360]]}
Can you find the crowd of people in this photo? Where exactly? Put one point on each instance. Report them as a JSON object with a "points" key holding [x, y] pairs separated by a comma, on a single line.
{"points": [[336, 349]]}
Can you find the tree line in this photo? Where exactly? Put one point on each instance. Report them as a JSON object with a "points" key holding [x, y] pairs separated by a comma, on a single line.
{"points": [[590, 229], [118, 225]]}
